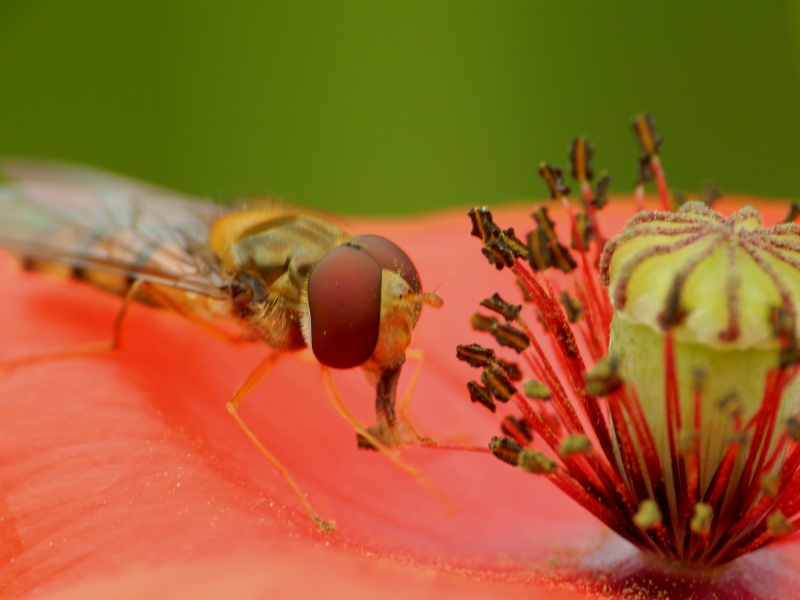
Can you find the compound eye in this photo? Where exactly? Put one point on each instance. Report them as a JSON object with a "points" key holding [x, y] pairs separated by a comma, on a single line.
{"points": [[344, 305], [389, 256]]}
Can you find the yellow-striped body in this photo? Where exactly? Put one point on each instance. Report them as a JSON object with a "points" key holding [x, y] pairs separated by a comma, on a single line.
{"points": [[247, 264]]}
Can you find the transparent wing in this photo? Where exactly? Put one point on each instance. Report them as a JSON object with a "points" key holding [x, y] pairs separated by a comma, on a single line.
{"points": [[103, 222]]}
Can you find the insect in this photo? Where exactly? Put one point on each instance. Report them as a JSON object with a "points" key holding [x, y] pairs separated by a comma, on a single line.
{"points": [[290, 279]]}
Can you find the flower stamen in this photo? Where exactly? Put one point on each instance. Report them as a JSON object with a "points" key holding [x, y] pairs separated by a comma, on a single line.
{"points": [[667, 407], [650, 162]]}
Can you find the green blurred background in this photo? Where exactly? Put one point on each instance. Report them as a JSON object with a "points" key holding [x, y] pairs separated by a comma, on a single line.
{"points": [[400, 106]]}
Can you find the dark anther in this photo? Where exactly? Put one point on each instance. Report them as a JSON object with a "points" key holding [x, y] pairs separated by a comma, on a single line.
{"points": [[509, 311], [498, 254], [545, 249], [500, 246], [483, 226], [479, 394], [600, 198], [511, 337], [475, 355], [481, 322], [645, 170], [506, 449], [543, 221], [581, 152], [794, 212], [584, 227], [512, 370], [508, 238], [517, 428], [498, 384], [538, 245], [645, 129], [505, 335], [554, 178]]}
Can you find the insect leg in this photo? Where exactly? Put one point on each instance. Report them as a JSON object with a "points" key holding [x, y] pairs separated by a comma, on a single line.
{"points": [[417, 355], [83, 349], [130, 295], [333, 395], [252, 381], [402, 410]]}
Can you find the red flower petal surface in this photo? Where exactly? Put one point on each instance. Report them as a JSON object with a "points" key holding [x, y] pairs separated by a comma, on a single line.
{"points": [[122, 474]]}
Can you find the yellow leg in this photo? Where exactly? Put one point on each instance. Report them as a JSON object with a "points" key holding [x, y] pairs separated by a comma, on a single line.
{"points": [[402, 408], [252, 381], [441, 498], [156, 295], [130, 295], [404, 404], [83, 349]]}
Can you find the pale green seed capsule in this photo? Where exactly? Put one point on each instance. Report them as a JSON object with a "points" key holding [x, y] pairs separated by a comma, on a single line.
{"points": [[728, 290]]}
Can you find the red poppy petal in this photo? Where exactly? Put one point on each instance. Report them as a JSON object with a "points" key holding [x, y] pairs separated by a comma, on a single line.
{"points": [[123, 473]]}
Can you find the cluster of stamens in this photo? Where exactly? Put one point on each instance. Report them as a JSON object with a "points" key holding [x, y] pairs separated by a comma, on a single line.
{"points": [[666, 404]]}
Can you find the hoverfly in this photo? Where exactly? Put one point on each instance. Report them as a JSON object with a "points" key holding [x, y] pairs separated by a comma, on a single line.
{"points": [[290, 279]]}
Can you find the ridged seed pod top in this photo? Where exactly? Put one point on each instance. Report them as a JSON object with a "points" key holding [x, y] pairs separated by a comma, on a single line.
{"points": [[719, 281]]}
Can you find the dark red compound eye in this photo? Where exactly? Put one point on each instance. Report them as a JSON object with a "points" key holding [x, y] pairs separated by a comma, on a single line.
{"points": [[344, 303], [389, 256]]}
